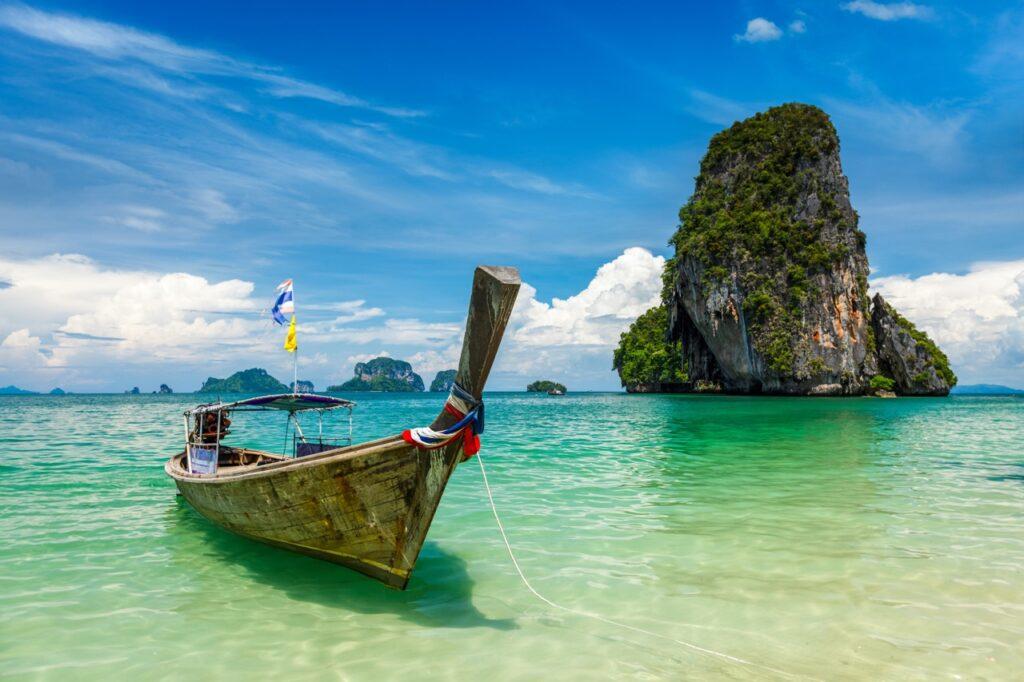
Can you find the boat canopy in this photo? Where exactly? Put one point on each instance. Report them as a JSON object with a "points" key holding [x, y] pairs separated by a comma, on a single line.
{"points": [[288, 402]]}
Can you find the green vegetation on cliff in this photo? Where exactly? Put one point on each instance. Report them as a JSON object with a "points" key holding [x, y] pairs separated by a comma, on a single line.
{"points": [[443, 380], [544, 385], [936, 358], [253, 380], [645, 356], [880, 382], [377, 383], [382, 374], [760, 210]]}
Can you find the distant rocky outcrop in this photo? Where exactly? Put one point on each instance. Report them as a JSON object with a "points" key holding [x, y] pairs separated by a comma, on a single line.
{"points": [[443, 381], [544, 385], [767, 291], [255, 380], [14, 390], [165, 389], [58, 391], [134, 391], [304, 386], [906, 355], [986, 389], [382, 374]]}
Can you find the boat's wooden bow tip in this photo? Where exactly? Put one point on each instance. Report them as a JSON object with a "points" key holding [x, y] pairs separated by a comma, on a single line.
{"points": [[506, 274]]}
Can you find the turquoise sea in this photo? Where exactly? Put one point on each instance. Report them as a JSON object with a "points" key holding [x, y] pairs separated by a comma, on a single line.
{"points": [[814, 538]]}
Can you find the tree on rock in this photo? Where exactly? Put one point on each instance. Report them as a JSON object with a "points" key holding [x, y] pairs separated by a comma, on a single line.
{"points": [[647, 362]]}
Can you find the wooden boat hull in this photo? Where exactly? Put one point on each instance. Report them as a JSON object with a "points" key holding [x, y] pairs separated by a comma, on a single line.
{"points": [[367, 506]]}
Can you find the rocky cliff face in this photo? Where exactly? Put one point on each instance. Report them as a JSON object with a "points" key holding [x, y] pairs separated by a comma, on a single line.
{"points": [[907, 355], [443, 381], [768, 287], [382, 374]]}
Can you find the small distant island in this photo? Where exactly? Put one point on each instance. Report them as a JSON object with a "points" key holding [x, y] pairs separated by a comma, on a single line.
{"points": [[254, 380], [767, 291], [546, 386], [58, 391], [986, 389], [382, 374], [14, 390], [443, 381], [304, 386], [134, 391]]}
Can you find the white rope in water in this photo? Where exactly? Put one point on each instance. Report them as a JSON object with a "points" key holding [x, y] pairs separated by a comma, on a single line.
{"points": [[594, 616]]}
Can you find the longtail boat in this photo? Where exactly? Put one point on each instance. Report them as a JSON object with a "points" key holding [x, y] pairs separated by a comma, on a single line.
{"points": [[367, 506]]}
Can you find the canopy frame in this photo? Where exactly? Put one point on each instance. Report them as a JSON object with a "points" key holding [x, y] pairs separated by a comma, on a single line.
{"points": [[278, 402]]}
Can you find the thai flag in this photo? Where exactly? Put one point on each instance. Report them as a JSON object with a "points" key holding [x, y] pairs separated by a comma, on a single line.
{"points": [[284, 305]]}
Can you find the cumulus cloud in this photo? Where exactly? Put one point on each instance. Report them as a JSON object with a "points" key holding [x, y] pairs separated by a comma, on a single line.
{"points": [[575, 336], [69, 313], [889, 11], [759, 30], [976, 317], [429, 362]]}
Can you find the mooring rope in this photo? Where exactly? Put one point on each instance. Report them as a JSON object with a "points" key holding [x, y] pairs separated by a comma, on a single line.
{"points": [[594, 616]]}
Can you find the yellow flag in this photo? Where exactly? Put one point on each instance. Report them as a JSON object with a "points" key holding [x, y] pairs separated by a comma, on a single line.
{"points": [[290, 343]]}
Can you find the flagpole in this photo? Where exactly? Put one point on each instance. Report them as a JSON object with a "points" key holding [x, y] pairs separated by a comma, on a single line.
{"points": [[295, 372]]}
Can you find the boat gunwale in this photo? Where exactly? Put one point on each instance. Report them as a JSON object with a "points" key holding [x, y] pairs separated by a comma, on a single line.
{"points": [[173, 468]]}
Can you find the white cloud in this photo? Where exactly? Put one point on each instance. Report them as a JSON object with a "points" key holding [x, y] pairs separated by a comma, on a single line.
{"points": [[428, 363], [212, 205], [797, 26], [759, 30], [977, 318], [141, 218], [21, 349], [889, 11], [575, 336], [400, 331], [98, 317], [531, 182]]}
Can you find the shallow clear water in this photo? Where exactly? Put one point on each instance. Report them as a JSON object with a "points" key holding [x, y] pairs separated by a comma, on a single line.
{"points": [[826, 538]]}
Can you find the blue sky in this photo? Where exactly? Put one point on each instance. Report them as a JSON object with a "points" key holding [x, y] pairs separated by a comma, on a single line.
{"points": [[183, 159]]}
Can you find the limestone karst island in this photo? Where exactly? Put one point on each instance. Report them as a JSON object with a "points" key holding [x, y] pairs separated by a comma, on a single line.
{"points": [[767, 290], [512, 341]]}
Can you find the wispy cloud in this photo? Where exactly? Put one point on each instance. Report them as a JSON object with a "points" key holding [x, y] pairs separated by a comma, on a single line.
{"points": [[889, 11], [759, 30], [118, 43], [1004, 54], [935, 133], [719, 110]]}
